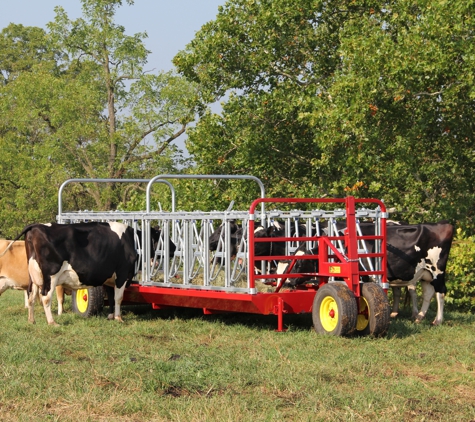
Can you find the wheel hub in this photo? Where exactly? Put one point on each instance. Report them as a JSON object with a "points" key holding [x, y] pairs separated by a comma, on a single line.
{"points": [[329, 314]]}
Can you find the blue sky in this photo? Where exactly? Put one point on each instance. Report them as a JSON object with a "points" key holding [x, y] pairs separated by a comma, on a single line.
{"points": [[170, 24]]}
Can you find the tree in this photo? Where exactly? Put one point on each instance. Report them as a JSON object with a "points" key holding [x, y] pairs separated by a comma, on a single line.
{"points": [[336, 98], [28, 172], [76, 102], [154, 107], [21, 48]]}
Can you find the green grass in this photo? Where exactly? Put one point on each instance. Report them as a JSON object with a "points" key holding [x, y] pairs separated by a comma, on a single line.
{"points": [[179, 365]]}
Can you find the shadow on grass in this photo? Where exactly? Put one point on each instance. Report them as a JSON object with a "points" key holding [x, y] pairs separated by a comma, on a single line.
{"points": [[294, 322], [459, 318], [400, 327], [403, 326]]}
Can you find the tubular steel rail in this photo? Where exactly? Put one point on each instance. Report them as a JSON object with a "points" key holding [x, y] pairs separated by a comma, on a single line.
{"points": [[221, 280]]}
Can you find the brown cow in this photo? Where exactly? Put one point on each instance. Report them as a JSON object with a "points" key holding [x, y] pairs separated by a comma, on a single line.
{"points": [[14, 271]]}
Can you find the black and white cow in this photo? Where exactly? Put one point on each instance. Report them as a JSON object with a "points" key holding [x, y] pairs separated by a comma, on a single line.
{"points": [[271, 247], [300, 266], [216, 240], [78, 256], [419, 252], [276, 247], [416, 252], [157, 243]]}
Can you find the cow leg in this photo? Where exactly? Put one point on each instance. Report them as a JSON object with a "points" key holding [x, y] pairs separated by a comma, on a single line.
{"points": [[396, 300], [427, 293], [4, 284], [413, 294], [111, 300], [440, 297], [31, 303], [118, 296], [60, 298], [46, 300], [26, 298]]}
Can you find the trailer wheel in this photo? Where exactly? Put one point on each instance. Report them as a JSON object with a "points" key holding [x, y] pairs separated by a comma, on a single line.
{"points": [[373, 315], [334, 310], [88, 302]]}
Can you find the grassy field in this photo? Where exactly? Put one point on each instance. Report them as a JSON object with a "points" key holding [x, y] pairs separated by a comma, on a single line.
{"points": [[184, 366]]}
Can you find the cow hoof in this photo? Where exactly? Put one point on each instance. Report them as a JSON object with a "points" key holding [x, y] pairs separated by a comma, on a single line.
{"points": [[119, 319], [53, 324], [436, 323], [394, 314]]}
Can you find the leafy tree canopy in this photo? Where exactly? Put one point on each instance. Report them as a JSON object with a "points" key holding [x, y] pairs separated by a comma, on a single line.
{"points": [[373, 99], [76, 101]]}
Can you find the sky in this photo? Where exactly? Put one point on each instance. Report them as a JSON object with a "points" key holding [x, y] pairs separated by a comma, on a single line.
{"points": [[169, 24]]}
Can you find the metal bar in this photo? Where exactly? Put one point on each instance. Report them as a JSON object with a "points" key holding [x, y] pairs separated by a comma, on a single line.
{"points": [[203, 176], [67, 182]]}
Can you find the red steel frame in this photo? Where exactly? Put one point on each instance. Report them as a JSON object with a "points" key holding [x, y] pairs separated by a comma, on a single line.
{"points": [[278, 302]]}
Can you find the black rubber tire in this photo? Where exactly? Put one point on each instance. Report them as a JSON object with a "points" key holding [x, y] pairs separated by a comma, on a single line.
{"points": [[374, 312], [334, 310], [87, 302]]}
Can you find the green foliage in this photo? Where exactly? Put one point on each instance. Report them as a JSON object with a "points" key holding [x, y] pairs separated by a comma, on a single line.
{"points": [[75, 102], [21, 48], [461, 273], [342, 97]]}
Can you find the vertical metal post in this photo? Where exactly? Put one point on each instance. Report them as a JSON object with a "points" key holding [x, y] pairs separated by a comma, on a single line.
{"points": [[166, 250], [146, 250], [352, 245], [279, 309], [186, 251], [206, 257], [250, 255], [227, 252]]}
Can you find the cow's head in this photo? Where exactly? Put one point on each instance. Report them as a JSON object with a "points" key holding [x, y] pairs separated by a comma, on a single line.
{"points": [[219, 235], [270, 247], [157, 240]]}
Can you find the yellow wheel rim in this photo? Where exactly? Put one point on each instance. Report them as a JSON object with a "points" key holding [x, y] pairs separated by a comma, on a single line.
{"points": [[82, 300], [363, 315], [329, 314]]}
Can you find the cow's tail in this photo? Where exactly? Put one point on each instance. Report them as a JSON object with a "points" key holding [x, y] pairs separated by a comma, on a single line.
{"points": [[24, 231]]}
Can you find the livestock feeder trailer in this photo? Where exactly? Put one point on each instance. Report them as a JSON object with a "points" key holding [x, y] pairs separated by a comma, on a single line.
{"points": [[249, 261]]}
